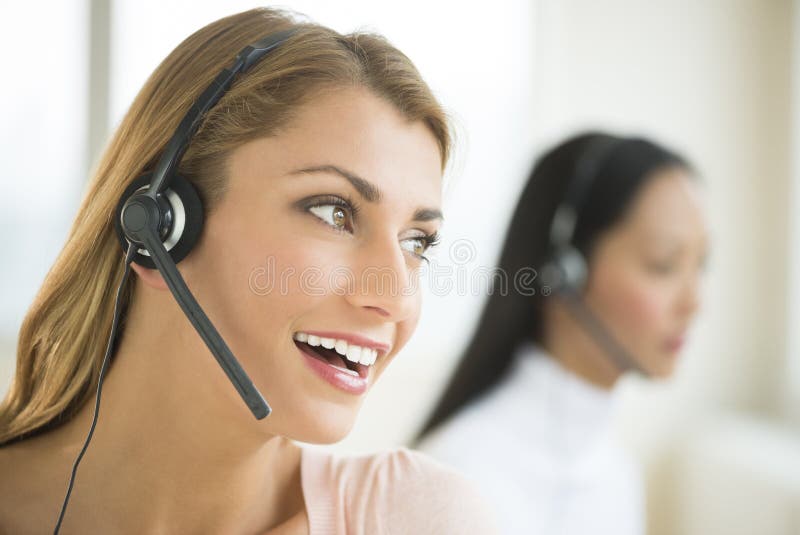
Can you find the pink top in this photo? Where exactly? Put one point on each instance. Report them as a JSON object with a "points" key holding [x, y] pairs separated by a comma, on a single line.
{"points": [[395, 492]]}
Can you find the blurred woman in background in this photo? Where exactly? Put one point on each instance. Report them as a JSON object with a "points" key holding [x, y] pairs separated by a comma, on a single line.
{"points": [[615, 229]]}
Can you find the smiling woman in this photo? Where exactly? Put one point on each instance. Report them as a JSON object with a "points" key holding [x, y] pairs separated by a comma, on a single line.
{"points": [[324, 158]]}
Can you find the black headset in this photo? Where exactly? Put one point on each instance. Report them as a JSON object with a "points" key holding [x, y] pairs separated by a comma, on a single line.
{"points": [[162, 215], [160, 218], [565, 271]]}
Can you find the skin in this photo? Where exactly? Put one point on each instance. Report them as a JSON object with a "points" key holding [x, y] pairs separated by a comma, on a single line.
{"points": [[644, 284], [176, 449]]}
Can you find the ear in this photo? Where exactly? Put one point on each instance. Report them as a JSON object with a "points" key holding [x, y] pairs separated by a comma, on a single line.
{"points": [[151, 277]]}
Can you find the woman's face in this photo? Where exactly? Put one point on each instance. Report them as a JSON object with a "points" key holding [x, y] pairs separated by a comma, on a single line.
{"points": [[645, 272], [317, 241]]}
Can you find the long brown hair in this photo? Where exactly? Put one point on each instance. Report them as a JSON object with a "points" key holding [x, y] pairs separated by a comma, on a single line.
{"points": [[63, 335]]}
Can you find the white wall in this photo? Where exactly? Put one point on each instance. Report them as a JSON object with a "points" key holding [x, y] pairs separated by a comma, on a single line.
{"points": [[42, 151], [791, 385], [740, 477]]}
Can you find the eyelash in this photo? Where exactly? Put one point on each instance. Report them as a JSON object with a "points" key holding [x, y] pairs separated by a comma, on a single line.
{"points": [[430, 240], [661, 268], [332, 200]]}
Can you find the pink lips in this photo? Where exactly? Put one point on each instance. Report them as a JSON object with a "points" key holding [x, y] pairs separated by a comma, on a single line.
{"points": [[336, 377], [674, 345]]}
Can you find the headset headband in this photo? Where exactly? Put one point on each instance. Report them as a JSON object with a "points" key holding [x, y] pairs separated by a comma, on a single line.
{"points": [[562, 227], [191, 122], [145, 218]]}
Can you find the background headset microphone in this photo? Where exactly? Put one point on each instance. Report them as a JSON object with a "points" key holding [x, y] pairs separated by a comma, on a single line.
{"points": [[159, 219]]}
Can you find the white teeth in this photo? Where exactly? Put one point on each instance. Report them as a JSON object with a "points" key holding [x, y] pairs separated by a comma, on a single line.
{"points": [[363, 355], [354, 353], [366, 356], [346, 370]]}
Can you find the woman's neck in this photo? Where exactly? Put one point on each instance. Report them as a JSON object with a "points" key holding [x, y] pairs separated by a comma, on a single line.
{"points": [[569, 344], [173, 456]]}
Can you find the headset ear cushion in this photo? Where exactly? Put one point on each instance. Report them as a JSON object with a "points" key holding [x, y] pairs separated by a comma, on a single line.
{"points": [[574, 267], [187, 219], [566, 269]]}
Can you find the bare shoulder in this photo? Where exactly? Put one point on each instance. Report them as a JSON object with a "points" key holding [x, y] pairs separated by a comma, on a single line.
{"points": [[420, 492]]}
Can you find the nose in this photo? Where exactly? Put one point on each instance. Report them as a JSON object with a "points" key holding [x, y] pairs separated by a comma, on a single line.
{"points": [[385, 285]]}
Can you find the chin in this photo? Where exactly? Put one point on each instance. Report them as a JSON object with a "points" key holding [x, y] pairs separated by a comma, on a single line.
{"points": [[661, 367], [324, 426], [327, 435]]}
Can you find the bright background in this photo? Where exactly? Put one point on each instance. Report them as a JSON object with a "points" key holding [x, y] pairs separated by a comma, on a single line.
{"points": [[716, 79]]}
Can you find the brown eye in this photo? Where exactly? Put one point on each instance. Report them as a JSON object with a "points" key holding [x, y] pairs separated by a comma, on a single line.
{"points": [[333, 215], [418, 246], [338, 217], [661, 267]]}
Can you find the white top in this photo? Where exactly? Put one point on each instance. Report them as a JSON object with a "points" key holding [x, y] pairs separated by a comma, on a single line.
{"points": [[541, 449]]}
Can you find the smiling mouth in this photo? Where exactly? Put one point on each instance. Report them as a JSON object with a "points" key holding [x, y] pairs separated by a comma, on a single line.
{"points": [[341, 352], [331, 357]]}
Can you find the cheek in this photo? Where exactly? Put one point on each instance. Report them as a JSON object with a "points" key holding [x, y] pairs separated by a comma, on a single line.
{"points": [[636, 308], [262, 279], [287, 278], [406, 328]]}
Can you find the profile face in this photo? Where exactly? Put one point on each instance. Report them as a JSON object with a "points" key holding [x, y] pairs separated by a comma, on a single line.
{"points": [[317, 242], [646, 271]]}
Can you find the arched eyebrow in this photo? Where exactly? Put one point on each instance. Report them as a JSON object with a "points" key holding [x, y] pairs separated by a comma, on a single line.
{"points": [[365, 188], [369, 191], [428, 214]]}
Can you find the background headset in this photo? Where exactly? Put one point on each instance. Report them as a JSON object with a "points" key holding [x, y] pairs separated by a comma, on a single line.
{"points": [[565, 272], [159, 219]]}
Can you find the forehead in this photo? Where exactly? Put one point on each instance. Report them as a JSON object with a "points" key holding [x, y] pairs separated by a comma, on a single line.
{"points": [[670, 204], [355, 129]]}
